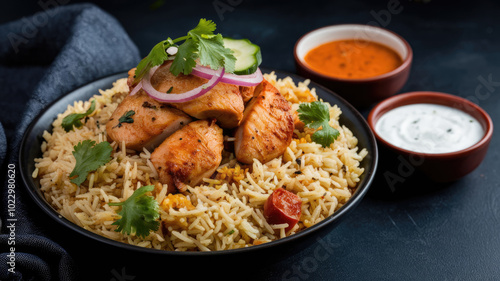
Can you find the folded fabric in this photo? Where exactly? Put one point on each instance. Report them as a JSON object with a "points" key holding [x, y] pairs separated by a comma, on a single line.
{"points": [[41, 58]]}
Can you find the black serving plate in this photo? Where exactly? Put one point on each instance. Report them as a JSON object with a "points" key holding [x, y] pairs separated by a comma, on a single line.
{"points": [[30, 149]]}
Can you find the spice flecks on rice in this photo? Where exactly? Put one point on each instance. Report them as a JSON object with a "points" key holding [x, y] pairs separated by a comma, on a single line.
{"points": [[226, 211]]}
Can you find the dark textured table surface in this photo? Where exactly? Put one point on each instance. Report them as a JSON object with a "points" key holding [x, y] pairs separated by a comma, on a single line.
{"points": [[421, 230]]}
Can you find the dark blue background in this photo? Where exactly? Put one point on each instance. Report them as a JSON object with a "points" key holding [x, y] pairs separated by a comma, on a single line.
{"points": [[420, 231]]}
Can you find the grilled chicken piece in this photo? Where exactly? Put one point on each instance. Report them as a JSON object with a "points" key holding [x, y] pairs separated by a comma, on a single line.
{"points": [[267, 126], [131, 78], [189, 155], [247, 92], [152, 122], [223, 102]]}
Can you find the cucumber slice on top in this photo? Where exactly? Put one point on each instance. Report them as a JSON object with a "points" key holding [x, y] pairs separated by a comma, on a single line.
{"points": [[248, 56]]}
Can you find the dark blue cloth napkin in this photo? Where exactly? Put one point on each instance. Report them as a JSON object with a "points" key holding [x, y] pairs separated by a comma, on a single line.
{"points": [[41, 58]]}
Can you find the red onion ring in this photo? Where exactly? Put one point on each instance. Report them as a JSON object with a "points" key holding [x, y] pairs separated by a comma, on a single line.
{"points": [[184, 97], [136, 88], [239, 80]]}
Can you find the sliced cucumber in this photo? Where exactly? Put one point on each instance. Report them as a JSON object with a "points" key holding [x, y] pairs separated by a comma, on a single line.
{"points": [[248, 57]]}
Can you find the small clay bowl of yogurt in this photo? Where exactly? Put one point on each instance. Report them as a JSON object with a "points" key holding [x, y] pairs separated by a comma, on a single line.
{"points": [[443, 135]]}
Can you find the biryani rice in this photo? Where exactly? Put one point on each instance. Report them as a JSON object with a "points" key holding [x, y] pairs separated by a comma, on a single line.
{"points": [[222, 213]]}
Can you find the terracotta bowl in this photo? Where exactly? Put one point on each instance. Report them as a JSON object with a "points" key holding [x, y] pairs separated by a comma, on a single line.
{"points": [[359, 92], [441, 167]]}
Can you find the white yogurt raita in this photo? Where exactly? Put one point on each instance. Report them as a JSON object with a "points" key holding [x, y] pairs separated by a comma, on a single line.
{"points": [[429, 128]]}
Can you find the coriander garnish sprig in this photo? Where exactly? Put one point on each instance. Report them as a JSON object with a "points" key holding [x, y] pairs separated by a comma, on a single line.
{"points": [[139, 214], [199, 44], [74, 119], [315, 115], [89, 157]]}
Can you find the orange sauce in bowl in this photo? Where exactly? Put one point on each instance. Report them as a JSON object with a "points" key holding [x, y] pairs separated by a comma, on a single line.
{"points": [[353, 59]]}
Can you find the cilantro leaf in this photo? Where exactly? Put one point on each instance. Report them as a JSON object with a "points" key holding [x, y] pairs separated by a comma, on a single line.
{"points": [[139, 213], [185, 59], [214, 54], [326, 136], [315, 115], [156, 56], [74, 119], [199, 43], [89, 158], [204, 27]]}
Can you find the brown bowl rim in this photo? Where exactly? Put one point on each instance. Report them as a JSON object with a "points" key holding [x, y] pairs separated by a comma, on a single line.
{"points": [[399, 100], [406, 62]]}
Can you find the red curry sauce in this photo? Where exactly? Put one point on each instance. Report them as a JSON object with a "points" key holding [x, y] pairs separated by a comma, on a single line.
{"points": [[353, 59]]}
